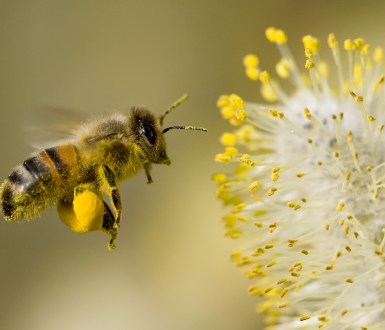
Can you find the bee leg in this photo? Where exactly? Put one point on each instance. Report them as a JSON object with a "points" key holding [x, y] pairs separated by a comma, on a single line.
{"points": [[108, 226], [147, 169], [111, 189]]}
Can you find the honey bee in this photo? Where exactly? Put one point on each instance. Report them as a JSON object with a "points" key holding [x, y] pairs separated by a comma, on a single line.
{"points": [[75, 175]]}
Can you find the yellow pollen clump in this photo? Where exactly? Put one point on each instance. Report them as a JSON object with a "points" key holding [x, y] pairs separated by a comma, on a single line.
{"points": [[246, 160], [332, 41], [276, 36], [220, 177], [268, 93], [378, 55], [228, 139], [252, 73], [223, 101], [250, 60], [236, 101], [264, 77], [253, 186], [309, 64], [311, 43], [283, 68], [349, 45], [271, 191], [276, 113], [304, 318], [356, 97]]}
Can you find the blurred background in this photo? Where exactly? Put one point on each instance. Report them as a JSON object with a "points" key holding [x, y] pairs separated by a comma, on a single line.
{"points": [[171, 268]]}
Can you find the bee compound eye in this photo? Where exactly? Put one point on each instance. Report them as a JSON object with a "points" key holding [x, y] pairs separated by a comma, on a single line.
{"points": [[149, 132]]}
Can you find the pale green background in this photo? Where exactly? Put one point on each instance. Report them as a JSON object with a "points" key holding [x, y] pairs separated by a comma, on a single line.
{"points": [[171, 267]]}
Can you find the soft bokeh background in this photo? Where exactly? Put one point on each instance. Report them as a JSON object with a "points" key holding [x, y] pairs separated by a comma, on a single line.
{"points": [[171, 267]]}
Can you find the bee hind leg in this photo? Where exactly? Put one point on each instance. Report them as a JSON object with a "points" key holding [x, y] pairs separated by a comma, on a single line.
{"points": [[108, 226]]}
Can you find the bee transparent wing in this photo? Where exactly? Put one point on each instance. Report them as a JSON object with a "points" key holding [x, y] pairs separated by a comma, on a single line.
{"points": [[52, 125]]}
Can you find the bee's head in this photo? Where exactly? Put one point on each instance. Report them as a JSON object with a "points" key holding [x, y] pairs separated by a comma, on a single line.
{"points": [[149, 133]]}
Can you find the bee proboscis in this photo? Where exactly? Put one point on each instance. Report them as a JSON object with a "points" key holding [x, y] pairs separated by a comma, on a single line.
{"points": [[75, 175]]}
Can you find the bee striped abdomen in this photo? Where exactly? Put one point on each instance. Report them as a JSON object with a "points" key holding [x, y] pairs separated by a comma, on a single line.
{"points": [[37, 183]]}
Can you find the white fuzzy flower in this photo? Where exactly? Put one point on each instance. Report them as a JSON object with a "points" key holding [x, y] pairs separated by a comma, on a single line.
{"points": [[307, 191]]}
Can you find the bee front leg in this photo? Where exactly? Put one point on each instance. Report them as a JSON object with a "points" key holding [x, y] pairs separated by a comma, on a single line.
{"points": [[147, 169], [107, 177]]}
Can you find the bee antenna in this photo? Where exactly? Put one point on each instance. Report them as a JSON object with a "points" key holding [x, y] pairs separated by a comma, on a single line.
{"points": [[178, 102], [190, 128]]}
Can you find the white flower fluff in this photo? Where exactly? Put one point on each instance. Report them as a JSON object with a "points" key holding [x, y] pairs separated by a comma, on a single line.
{"points": [[305, 192]]}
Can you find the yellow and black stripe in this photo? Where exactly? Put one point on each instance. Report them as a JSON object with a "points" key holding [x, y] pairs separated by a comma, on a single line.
{"points": [[36, 183]]}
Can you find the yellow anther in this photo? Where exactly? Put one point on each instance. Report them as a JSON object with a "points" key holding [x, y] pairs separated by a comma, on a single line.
{"points": [[283, 292], [241, 115], [246, 160], [305, 252], [294, 206], [344, 311], [228, 139], [283, 68], [258, 252], [378, 55], [227, 112], [308, 53], [259, 213], [275, 173], [252, 73], [311, 43], [281, 37], [332, 41], [323, 318], [219, 177], [236, 102], [268, 93], [271, 191], [223, 101], [349, 45], [276, 113], [250, 60], [304, 317], [309, 64], [358, 43], [356, 97], [276, 36], [270, 34], [307, 114], [282, 281], [242, 219], [365, 49], [271, 264], [370, 118], [282, 305], [238, 208], [264, 77], [336, 154], [300, 174], [329, 267], [340, 207], [222, 158], [291, 242], [349, 280], [323, 69], [253, 186], [348, 248], [273, 227], [231, 151]]}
